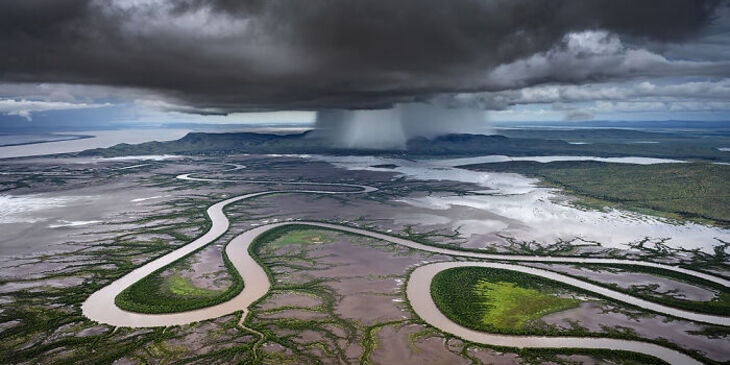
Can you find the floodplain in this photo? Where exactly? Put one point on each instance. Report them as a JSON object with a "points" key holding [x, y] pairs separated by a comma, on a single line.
{"points": [[335, 297]]}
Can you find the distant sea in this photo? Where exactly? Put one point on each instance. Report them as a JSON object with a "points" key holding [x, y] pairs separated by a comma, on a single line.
{"points": [[7, 139], [21, 145]]}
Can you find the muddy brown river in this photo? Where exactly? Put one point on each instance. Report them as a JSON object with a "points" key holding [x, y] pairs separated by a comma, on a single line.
{"points": [[100, 305]]}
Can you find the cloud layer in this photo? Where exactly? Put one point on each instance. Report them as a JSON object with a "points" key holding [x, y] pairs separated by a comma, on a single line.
{"points": [[221, 56], [24, 108]]}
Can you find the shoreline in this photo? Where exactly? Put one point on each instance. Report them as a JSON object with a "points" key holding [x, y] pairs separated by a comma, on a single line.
{"points": [[72, 137]]}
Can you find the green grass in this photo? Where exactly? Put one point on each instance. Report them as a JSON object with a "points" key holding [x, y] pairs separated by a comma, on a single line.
{"points": [[506, 306], [305, 237], [183, 287], [495, 300], [514, 298], [172, 294], [695, 191]]}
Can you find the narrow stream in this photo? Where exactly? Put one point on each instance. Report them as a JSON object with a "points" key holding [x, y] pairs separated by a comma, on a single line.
{"points": [[100, 305]]}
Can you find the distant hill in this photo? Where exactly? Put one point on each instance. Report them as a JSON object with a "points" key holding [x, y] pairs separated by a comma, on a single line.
{"points": [[449, 145]]}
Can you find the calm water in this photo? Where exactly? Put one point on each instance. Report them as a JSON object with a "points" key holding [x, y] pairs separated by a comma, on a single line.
{"points": [[101, 139], [19, 139]]}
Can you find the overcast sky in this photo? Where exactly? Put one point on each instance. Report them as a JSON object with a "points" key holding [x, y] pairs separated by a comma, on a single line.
{"points": [[97, 62]]}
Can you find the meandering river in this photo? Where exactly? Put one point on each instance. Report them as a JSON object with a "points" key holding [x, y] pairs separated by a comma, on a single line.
{"points": [[100, 305]]}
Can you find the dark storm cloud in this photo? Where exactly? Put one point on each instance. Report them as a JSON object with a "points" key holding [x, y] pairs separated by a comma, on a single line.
{"points": [[228, 55]]}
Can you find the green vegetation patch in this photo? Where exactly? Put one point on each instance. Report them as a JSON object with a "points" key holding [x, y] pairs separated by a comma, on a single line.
{"points": [[173, 293], [507, 306], [302, 237], [697, 191], [183, 287], [495, 300]]}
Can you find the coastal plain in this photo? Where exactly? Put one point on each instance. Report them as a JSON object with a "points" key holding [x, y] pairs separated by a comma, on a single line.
{"points": [[335, 297]]}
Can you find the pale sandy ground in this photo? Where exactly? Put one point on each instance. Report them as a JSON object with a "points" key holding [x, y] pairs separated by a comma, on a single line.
{"points": [[515, 198]]}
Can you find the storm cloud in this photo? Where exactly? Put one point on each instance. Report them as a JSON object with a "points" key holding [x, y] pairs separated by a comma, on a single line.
{"points": [[222, 56], [392, 128]]}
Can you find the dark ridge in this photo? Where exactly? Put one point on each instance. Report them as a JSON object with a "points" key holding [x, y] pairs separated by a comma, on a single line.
{"points": [[198, 143]]}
